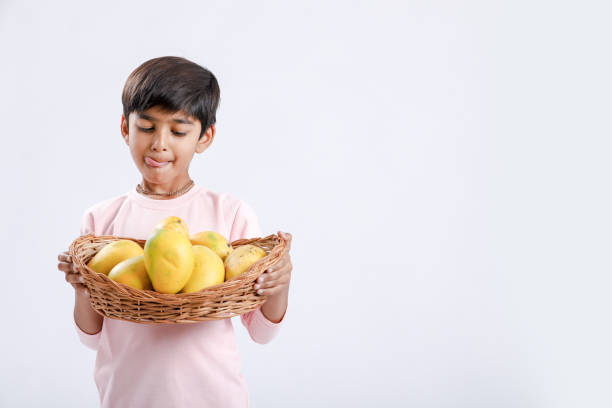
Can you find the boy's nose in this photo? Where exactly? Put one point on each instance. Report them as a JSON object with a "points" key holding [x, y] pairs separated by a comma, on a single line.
{"points": [[160, 141]]}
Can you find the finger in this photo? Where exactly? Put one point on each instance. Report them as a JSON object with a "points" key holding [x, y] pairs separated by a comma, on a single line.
{"points": [[66, 267], [277, 266], [270, 274], [281, 277], [276, 270], [74, 278], [64, 257], [281, 263], [284, 263], [272, 291], [273, 284], [287, 237], [265, 277]]}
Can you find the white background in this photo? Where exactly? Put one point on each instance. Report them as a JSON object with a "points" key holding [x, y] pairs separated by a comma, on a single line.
{"points": [[443, 166]]}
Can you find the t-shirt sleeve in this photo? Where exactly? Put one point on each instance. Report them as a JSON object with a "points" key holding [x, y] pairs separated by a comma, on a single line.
{"points": [[87, 223], [245, 226], [260, 329], [90, 340]]}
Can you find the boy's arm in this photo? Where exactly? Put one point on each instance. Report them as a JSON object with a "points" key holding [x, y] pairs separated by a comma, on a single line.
{"points": [[275, 307], [85, 317], [88, 322], [274, 283], [261, 327]]}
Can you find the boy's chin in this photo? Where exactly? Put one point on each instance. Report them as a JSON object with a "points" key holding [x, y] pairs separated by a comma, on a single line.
{"points": [[156, 180], [159, 176]]}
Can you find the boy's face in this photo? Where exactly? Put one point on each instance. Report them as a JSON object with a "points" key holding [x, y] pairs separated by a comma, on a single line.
{"points": [[162, 145]]}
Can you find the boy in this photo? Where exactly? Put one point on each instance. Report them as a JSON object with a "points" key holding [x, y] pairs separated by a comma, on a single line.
{"points": [[169, 106]]}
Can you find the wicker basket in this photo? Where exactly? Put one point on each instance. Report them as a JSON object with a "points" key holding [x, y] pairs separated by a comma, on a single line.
{"points": [[117, 301]]}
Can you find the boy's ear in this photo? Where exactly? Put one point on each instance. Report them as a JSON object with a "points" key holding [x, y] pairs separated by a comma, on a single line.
{"points": [[124, 130], [206, 139]]}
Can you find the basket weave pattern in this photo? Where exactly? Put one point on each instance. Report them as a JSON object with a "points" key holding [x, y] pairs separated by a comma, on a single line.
{"points": [[117, 301]]}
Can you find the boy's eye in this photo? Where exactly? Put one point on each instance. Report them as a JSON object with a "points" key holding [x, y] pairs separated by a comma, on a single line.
{"points": [[149, 130]]}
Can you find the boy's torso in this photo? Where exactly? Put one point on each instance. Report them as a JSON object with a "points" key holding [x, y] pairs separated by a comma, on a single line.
{"points": [[167, 364]]}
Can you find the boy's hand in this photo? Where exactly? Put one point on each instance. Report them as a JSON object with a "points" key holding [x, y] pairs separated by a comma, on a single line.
{"points": [[275, 280], [72, 275]]}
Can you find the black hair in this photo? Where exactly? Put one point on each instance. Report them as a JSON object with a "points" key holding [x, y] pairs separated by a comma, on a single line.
{"points": [[174, 84]]}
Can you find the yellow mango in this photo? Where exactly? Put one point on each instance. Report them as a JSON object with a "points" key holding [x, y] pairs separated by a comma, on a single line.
{"points": [[132, 272], [241, 259], [214, 241], [208, 270], [173, 223], [169, 260], [113, 253]]}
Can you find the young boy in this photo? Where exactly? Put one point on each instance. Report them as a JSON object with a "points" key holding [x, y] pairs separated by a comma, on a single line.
{"points": [[169, 106]]}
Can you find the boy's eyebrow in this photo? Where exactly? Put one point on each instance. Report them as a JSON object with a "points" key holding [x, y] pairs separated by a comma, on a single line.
{"points": [[151, 118]]}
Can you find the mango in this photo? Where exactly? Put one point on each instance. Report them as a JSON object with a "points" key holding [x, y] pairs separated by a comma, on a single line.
{"points": [[241, 259], [132, 272], [214, 241], [173, 223], [169, 260], [208, 270], [113, 253]]}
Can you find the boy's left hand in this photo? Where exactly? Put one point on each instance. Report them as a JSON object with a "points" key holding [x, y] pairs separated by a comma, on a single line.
{"points": [[276, 279]]}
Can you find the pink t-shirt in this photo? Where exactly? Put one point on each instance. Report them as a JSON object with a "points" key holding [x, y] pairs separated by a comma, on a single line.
{"points": [[173, 365]]}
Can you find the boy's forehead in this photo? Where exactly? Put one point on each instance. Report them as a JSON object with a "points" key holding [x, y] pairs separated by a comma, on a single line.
{"points": [[158, 114]]}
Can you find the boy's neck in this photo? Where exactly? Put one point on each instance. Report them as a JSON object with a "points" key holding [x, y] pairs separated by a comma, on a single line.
{"points": [[165, 192]]}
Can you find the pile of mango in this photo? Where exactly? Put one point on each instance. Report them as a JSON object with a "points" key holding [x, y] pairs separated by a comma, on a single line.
{"points": [[174, 262]]}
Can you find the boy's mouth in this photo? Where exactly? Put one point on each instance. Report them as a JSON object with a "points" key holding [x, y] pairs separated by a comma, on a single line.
{"points": [[154, 163]]}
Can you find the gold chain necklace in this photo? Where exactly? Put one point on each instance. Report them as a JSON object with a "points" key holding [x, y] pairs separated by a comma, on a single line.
{"points": [[180, 191]]}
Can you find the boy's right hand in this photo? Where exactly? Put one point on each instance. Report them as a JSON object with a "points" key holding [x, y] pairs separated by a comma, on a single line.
{"points": [[72, 275]]}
